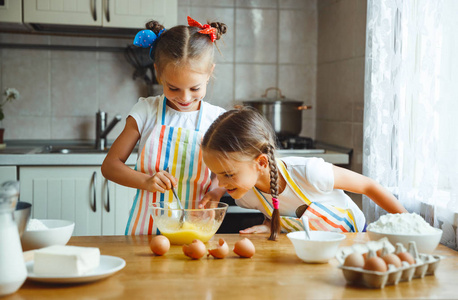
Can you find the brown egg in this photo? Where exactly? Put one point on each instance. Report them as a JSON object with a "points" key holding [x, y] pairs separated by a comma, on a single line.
{"points": [[375, 263], [159, 245], [406, 256], [221, 250], [244, 248], [392, 259], [355, 260], [195, 250]]}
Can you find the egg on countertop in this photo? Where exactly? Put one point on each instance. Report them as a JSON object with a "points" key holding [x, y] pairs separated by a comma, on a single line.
{"points": [[221, 250], [159, 245], [195, 250], [244, 248]]}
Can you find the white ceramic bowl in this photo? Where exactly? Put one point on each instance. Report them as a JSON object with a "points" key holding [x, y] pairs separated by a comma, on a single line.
{"points": [[58, 232], [426, 243], [321, 247]]}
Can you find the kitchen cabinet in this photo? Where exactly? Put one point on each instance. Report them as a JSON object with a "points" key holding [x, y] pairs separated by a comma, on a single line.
{"points": [[11, 11], [101, 13], [77, 193]]}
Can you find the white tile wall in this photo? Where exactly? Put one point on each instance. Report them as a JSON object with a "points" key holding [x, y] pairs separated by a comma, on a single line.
{"points": [[340, 76], [268, 43]]}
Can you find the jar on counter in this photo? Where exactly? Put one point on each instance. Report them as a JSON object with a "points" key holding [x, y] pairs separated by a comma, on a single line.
{"points": [[12, 266]]}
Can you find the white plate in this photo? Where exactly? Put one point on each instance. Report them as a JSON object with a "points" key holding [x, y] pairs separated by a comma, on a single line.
{"points": [[108, 266]]}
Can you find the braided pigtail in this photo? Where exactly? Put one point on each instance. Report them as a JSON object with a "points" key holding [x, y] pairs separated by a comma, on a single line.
{"points": [[275, 225]]}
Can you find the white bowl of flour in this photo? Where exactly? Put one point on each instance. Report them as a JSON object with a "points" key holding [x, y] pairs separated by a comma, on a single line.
{"points": [[406, 227]]}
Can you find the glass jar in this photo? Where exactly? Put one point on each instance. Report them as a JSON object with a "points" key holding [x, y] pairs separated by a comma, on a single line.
{"points": [[12, 266]]}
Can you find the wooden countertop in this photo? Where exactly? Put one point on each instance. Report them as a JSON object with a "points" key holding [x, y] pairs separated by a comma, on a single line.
{"points": [[274, 272]]}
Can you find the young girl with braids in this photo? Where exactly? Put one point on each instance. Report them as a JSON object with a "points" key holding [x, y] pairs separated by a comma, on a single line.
{"points": [[169, 127], [239, 147]]}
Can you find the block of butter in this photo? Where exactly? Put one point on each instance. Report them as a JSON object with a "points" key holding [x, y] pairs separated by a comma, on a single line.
{"points": [[65, 260]]}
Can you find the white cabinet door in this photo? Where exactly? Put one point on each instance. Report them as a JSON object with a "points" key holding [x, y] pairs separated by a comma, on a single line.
{"points": [[70, 193], [81, 194], [106, 13], [11, 11], [134, 14], [76, 12], [117, 201]]}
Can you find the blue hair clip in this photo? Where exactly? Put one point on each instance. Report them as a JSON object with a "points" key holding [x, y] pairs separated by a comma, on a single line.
{"points": [[146, 38]]}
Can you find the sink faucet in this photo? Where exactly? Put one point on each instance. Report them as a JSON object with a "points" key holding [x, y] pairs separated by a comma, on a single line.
{"points": [[102, 130]]}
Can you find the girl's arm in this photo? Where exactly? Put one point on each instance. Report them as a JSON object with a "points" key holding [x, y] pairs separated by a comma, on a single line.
{"points": [[350, 181], [115, 169]]}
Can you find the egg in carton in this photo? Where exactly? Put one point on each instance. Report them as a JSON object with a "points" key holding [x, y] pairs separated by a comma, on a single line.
{"points": [[379, 275]]}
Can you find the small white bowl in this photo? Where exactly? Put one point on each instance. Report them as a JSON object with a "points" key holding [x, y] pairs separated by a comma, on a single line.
{"points": [[58, 232], [426, 243], [321, 247]]}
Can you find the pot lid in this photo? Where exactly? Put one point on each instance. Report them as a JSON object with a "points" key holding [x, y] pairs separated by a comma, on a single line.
{"points": [[278, 98]]}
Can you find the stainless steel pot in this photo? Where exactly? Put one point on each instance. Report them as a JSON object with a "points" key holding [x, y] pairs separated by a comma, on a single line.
{"points": [[284, 114]]}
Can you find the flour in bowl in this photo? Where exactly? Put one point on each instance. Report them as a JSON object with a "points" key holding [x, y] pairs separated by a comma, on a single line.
{"points": [[35, 224], [405, 223]]}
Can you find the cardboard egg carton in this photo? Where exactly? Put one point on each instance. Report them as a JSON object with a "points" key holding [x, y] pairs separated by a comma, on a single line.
{"points": [[425, 264]]}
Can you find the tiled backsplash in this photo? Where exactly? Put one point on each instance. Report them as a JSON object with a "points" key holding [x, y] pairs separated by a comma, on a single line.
{"points": [[268, 43]]}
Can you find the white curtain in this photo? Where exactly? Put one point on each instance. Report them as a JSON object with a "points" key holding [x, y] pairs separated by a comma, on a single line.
{"points": [[411, 108]]}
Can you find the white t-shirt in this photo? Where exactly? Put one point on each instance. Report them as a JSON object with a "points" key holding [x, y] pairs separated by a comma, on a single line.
{"points": [[145, 114], [315, 177]]}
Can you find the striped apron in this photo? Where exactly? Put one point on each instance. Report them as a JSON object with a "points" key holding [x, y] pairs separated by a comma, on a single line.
{"points": [[322, 216], [179, 150]]}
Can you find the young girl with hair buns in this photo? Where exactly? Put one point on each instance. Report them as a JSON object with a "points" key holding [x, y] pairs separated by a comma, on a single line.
{"points": [[239, 147], [169, 127]]}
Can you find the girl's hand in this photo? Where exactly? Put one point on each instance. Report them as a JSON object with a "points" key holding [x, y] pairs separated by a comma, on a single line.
{"points": [[256, 229], [213, 195], [160, 182]]}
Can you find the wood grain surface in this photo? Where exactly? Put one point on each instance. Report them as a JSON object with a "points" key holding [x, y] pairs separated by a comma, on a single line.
{"points": [[274, 272]]}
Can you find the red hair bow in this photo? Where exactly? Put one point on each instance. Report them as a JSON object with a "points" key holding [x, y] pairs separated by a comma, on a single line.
{"points": [[206, 29]]}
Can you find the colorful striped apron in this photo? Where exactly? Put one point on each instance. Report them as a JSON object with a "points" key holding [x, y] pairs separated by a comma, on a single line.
{"points": [[179, 150], [322, 216]]}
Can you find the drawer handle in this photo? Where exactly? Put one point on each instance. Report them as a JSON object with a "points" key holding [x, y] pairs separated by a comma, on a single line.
{"points": [[107, 206], [94, 10], [94, 194], [107, 10]]}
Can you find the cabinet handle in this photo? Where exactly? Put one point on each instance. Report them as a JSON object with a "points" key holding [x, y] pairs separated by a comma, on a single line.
{"points": [[94, 184], [107, 206], [94, 10], [107, 10]]}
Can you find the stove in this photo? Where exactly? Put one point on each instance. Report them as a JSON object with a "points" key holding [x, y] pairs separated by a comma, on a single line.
{"points": [[296, 146]]}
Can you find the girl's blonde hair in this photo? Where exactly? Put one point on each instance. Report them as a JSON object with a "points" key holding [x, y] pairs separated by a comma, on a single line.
{"points": [[184, 45], [244, 134]]}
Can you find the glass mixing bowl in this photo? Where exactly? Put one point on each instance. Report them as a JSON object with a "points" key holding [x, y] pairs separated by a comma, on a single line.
{"points": [[197, 223]]}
